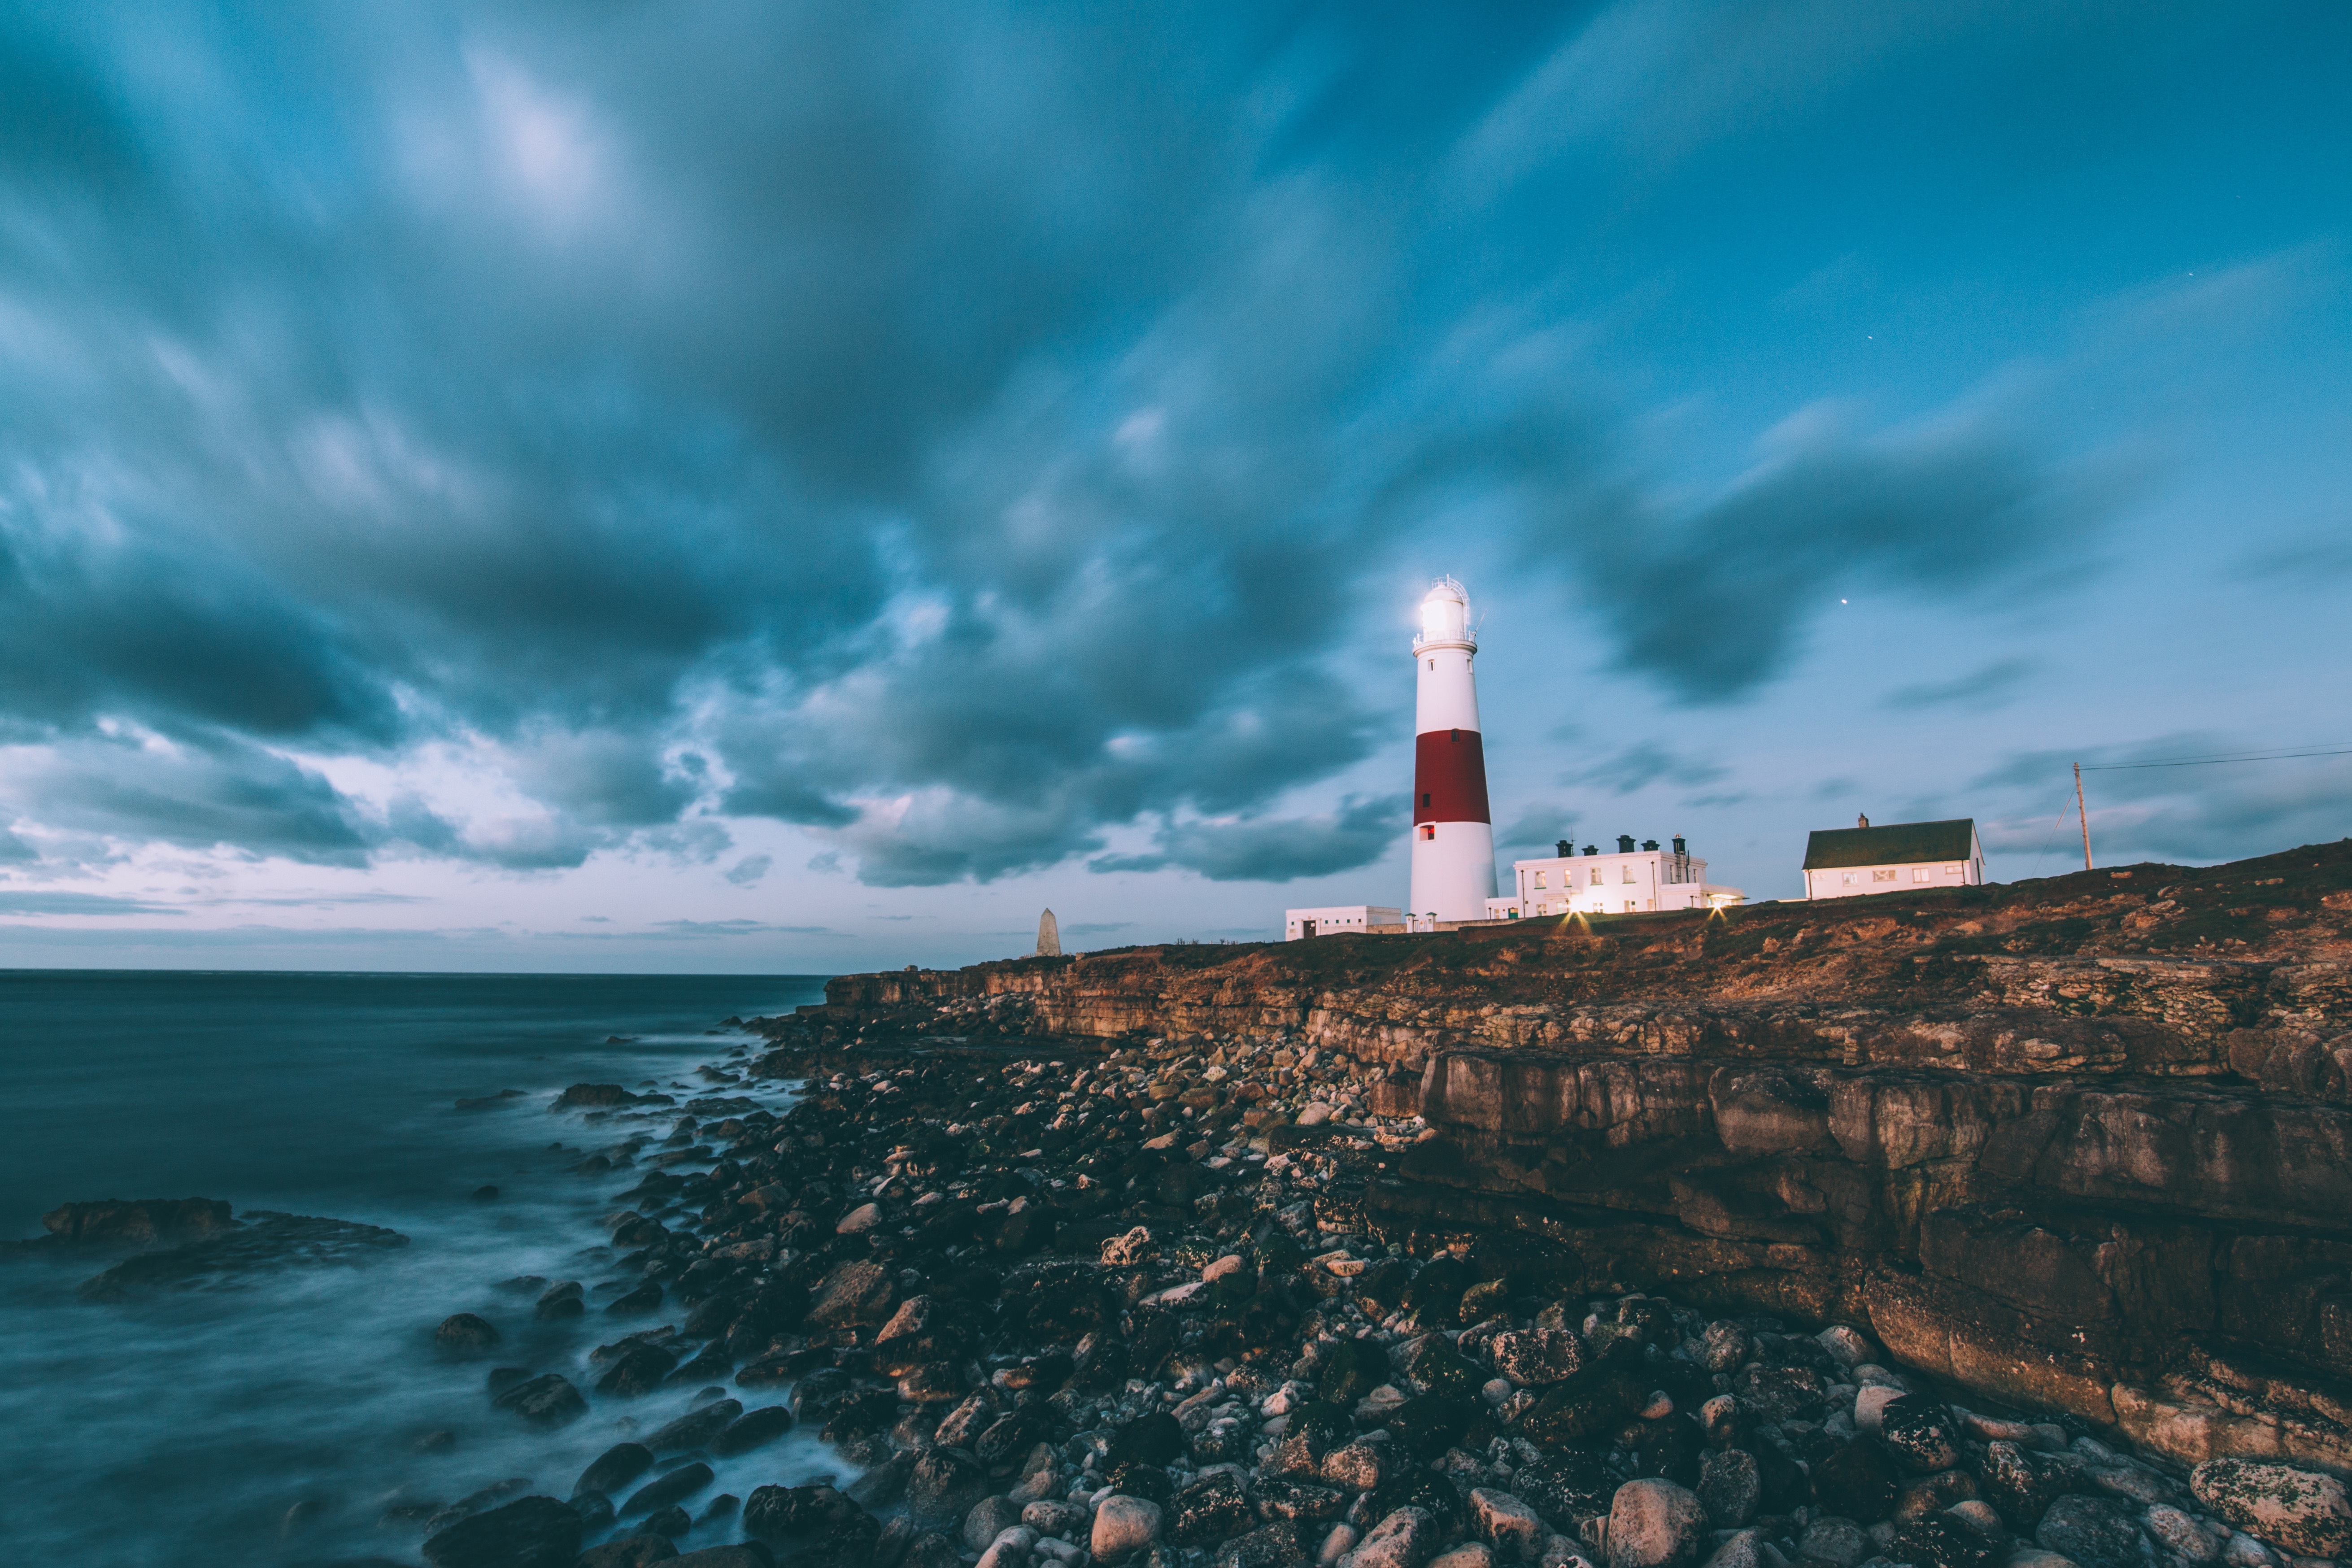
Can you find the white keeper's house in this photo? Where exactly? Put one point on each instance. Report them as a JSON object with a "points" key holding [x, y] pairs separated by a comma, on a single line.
{"points": [[1635, 880], [1847, 862], [1339, 919]]}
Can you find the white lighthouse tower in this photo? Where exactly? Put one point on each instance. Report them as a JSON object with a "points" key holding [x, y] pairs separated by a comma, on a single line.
{"points": [[1453, 831]]}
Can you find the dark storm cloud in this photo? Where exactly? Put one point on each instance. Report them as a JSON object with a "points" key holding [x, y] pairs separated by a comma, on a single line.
{"points": [[958, 432], [1642, 764], [1539, 826]]}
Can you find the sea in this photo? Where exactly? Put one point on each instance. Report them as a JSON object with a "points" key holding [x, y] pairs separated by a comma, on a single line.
{"points": [[294, 1409]]}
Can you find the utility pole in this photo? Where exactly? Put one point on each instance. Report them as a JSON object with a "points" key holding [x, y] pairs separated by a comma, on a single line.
{"points": [[2084, 813]]}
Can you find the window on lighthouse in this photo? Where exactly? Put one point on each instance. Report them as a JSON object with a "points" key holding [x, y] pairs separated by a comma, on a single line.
{"points": [[1428, 830]]}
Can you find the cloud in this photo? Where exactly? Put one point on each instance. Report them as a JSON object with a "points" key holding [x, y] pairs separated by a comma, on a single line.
{"points": [[1542, 825], [13, 902], [1978, 690], [1636, 767], [733, 928], [1269, 849], [750, 870]]}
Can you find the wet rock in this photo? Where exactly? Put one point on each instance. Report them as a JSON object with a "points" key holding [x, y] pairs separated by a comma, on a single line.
{"points": [[1471, 1554], [1940, 1541], [1654, 1525], [753, 1429], [1269, 1546], [858, 1294], [637, 1371], [988, 1519], [595, 1508], [2180, 1540], [547, 1400], [1357, 1466], [2302, 1511], [1779, 1393], [1858, 1480], [1836, 1542], [465, 1334], [819, 1520], [1063, 1520], [590, 1097], [138, 1222], [664, 1490], [263, 1241], [1210, 1510], [1280, 1497], [1123, 1526], [1156, 1438], [613, 1469], [1592, 1402], [1730, 1488], [1919, 1433], [1566, 1489], [724, 1557], [531, 1532], [2097, 1532], [631, 1551], [1536, 1358], [1406, 1538], [944, 1483], [696, 1428], [2019, 1483], [636, 1302], [1434, 1362], [1514, 1531], [1429, 1424]]}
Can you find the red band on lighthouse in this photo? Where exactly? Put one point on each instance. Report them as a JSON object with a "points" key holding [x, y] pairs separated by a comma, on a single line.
{"points": [[1449, 777]]}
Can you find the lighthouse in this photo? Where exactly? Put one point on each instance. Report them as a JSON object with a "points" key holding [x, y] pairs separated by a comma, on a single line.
{"points": [[1453, 831]]}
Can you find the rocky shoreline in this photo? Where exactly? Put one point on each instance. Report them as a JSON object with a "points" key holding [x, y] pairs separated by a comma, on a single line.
{"points": [[1050, 1309]]}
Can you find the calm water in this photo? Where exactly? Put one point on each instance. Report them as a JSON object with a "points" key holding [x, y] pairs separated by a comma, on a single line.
{"points": [[273, 1416]]}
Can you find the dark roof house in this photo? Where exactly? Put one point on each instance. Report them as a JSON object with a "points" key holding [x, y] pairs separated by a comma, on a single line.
{"points": [[1897, 844]]}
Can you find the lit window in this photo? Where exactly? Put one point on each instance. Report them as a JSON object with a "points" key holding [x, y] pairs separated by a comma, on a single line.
{"points": [[1951, 871], [1629, 870], [1629, 903], [1885, 876], [1919, 873], [1596, 876], [1428, 830], [1539, 879], [1850, 878]]}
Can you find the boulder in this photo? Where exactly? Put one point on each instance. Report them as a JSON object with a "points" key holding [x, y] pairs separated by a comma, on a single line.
{"points": [[613, 1469], [530, 1532], [944, 1483], [753, 1429], [1406, 1538], [137, 1222], [1654, 1523], [1729, 1487], [1858, 1480], [1123, 1526], [854, 1295], [1919, 1433], [1268, 1546], [1536, 1358], [547, 1400], [2302, 1511], [1210, 1510], [1514, 1531], [671, 1487], [2097, 1532], [465, 1334]]}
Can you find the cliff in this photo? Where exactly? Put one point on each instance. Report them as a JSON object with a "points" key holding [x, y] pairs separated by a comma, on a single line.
{"points": [[2082, 1143]]}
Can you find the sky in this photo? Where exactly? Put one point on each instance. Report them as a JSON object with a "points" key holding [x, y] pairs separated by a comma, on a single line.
{"points": [[800, 489]]}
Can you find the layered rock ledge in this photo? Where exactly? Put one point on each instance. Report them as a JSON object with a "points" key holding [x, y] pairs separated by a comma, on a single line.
{"points": [[2081, 1144]]}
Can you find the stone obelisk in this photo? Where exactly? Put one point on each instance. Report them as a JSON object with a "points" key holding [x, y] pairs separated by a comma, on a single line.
{"points": [[1049, 936]]}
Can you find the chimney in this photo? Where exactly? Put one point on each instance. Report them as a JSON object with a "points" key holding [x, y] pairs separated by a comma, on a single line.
{"points": [[1678, 845], [1564, 847], [1649, 843], [1625, 844], [1593, 849], [1861, 821]]}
